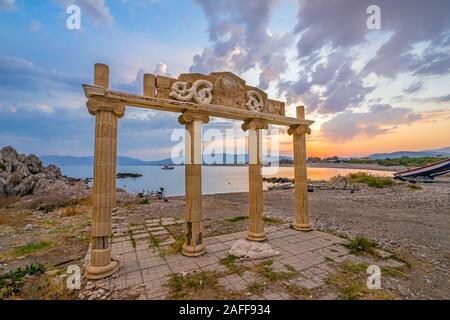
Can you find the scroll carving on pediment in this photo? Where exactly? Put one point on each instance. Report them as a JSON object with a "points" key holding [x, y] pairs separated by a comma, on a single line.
{"points": [[218, 88], [254, 101], [200, 91]]}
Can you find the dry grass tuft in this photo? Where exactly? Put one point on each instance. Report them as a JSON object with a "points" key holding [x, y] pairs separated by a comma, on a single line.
{"points": [[71, 211], [370, 180], [6, 202]]}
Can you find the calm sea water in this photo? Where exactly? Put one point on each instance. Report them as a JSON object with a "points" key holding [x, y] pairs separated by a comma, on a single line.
{"points": [[215, 179]]}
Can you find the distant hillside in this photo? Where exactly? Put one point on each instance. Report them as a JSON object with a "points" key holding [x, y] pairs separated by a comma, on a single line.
{"points": [[224, 158], [62, 161], [89, 161], [445, 152]]}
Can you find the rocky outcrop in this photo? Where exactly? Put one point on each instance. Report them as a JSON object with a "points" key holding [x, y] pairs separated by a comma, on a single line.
{"points": [[123, 175], [22, 175]]}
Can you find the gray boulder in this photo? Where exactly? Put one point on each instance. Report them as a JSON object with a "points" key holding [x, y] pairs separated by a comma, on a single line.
{"points": [[33, 163], [22, 175]]}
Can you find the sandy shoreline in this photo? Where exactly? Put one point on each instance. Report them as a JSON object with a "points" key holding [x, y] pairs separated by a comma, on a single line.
{"points": [[392, 216], [413, 223], [376, 167], [362, 166]]}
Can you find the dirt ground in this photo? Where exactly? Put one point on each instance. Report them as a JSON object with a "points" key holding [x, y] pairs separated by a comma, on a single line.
{"points": [[415, 224], [362, 166]]}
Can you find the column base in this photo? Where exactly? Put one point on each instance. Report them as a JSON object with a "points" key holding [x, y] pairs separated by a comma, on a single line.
{"points": [[190, 251], [256, 236], [96, 273], [302, 226]]}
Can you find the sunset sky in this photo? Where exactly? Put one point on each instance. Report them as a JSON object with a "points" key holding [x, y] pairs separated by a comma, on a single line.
{"points": [[367, 90]]}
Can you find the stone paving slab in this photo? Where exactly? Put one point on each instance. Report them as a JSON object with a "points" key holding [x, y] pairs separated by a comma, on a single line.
{"points": [[234, 282], [144, 272], [156, 228], [167, 242], [277, 296], [168, 223]]}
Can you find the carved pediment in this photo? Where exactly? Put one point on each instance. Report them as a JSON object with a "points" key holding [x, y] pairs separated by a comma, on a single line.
{"points": [[218, 88]]}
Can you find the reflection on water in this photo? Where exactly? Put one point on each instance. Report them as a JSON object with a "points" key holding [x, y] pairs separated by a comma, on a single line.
{"points": [[215, 179], [320, 173]]}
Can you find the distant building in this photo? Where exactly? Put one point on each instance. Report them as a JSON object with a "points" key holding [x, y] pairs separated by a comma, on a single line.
{"points": [[334, 159], [314, 159]]}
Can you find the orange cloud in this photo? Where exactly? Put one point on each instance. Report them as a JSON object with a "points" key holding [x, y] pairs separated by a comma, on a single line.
{"points": [[431, 132]]}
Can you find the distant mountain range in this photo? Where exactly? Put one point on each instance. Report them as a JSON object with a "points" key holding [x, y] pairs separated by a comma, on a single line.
{"points": [[89, 161], [445, 152], [127, 161], [226, 158]]}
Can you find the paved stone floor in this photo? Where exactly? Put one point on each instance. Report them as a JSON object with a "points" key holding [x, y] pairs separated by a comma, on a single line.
{"points": [[144, 271]]}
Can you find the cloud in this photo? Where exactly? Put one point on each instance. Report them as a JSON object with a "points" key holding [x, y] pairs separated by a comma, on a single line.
{"points": [[64, 131], [58, 132], [329, 86], [140, 3], [439, 99], [8, 5], [412, 22], [379, 119], [17, 74], [44, 112], [414, 39], [343, 25], [95, 10], [413, 88], [161, 70], [240, 40], [40, 109], [137, 85], [443, 98], [335, 24], [433, 64]]}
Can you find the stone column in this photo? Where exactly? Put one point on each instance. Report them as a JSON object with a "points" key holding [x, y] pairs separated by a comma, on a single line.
{"points": [[106, 113], [193, 244], [298, 133], [255, 185]]}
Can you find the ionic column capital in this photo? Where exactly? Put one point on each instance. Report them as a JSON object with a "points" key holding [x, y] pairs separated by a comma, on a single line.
{"points": [[299, 129], [96, 104], [254, 124], [189, 116]]}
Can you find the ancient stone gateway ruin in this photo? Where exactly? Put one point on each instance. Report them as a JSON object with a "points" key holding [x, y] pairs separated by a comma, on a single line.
{"points": [[197, 97]]}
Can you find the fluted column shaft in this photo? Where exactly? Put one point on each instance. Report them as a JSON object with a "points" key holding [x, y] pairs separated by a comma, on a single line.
{"points": [[193, 244], [255, 185], [106, 113], [300, 174]]}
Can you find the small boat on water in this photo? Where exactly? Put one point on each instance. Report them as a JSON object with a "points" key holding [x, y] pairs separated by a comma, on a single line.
{"points": [[426, 173], [167, 167]]}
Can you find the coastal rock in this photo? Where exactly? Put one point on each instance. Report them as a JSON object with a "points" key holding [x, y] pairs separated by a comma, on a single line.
{"points": [[123, 175], [2, 186], [22, 175]]}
